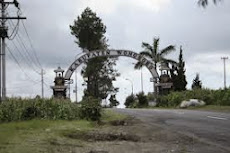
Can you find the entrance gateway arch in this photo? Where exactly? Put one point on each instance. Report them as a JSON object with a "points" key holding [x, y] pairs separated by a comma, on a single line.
{"points": [[110, 53]]}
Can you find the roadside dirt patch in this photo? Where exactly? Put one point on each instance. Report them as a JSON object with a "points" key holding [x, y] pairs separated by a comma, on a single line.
{"points": [[98, 152], [96, 136]]}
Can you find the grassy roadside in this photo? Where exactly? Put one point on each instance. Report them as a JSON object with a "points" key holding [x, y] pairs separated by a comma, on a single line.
{"points": [[214, 108], [47, 136]]}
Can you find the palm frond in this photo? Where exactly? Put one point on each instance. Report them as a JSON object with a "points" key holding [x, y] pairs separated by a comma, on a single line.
{"points": [[204, 3], [167, 50], [147, 47], [138, 65], [155, 45], [146, 54], [169, 61]]}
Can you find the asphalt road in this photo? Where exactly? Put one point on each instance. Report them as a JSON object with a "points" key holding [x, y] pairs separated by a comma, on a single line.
{"points": [[211, 128]]}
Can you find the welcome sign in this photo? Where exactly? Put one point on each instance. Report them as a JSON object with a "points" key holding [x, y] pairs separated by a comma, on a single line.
{"points": [[110, 53]]}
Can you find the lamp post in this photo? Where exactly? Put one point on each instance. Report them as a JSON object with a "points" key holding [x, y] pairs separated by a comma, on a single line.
{"points": [[131, 84], [224, 60]]}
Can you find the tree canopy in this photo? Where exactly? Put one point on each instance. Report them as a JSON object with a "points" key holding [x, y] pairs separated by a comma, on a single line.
{"points": [[178, 74], [98, 72]]}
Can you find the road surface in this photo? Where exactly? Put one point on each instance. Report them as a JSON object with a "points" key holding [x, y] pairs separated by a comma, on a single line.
{"points": [[210, 129]]}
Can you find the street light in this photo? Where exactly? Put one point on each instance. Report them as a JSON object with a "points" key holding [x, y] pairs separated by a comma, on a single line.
{"points": [[131, 84]]}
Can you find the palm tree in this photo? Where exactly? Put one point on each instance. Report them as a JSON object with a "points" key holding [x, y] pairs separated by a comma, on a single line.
{"points": [[156, 55]]}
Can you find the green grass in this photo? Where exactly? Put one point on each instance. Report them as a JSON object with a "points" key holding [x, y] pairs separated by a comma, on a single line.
{"points": [[109, 115], [38, 135], [47, 136], [212, 108]]}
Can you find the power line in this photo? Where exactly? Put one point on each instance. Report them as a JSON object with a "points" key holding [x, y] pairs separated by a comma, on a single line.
{"points": [[3, 36], [22, 44], [26, 59], [19, 65], [36, 57]]}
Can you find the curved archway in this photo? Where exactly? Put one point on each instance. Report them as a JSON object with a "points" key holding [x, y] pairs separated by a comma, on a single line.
{"points": [[110, 53]]}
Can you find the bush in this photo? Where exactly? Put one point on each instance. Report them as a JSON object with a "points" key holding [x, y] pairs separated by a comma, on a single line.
{"points": [[91, 109], [142, 100], [18, 109], [210, 97], [130, 100]]}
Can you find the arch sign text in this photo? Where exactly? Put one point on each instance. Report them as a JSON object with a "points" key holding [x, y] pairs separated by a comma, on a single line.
{"points": [[110, 53]]}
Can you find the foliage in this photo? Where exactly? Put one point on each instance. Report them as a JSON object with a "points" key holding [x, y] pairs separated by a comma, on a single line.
{"points": [[136, 101], [18, 109], [152, 52], [91, 109], [142, 100], [113, 101], [130, 100], [204, 3], [99, 72], [196, 84], [178, 74], [210, 97]]}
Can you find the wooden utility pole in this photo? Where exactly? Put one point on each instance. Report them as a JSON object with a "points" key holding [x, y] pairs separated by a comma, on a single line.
{"points": [[3, 36]]}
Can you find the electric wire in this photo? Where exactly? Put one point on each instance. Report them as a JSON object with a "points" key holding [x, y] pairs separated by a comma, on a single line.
{"points": [[19, 65], [25, 58], [22, 45], [30, 41]]}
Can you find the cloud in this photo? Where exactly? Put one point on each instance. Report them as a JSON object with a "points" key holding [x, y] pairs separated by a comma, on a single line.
{"points": [[110, 6]]}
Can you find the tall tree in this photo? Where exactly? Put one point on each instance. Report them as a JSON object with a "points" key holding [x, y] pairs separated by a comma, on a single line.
{"points": [[178, 74], [155, 54], [196, 84], [98, 72]]}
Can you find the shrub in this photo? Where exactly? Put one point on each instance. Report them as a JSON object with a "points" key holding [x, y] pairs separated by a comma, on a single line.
{"points": [[91, 109], [130, 100], [142, 100], [17, 109], [210, 97]]}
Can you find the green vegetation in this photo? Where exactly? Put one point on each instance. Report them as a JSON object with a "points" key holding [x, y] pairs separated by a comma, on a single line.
{"points": [[204, 3], [178, 74], [99, 72], [49, 109], [212, 108], [90, 109], [136, 101], [18, 109], [108, 116], [196, 84], [155, 54], [130, 100], [48, 135], [210, 97]]}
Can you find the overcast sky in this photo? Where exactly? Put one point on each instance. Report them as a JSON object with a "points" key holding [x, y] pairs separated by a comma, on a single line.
{"points": [[203, 33]]}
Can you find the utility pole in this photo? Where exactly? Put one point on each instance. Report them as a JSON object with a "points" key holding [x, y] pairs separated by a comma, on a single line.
{"points": [[224, 60], [42, 82], [3, 36]]}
